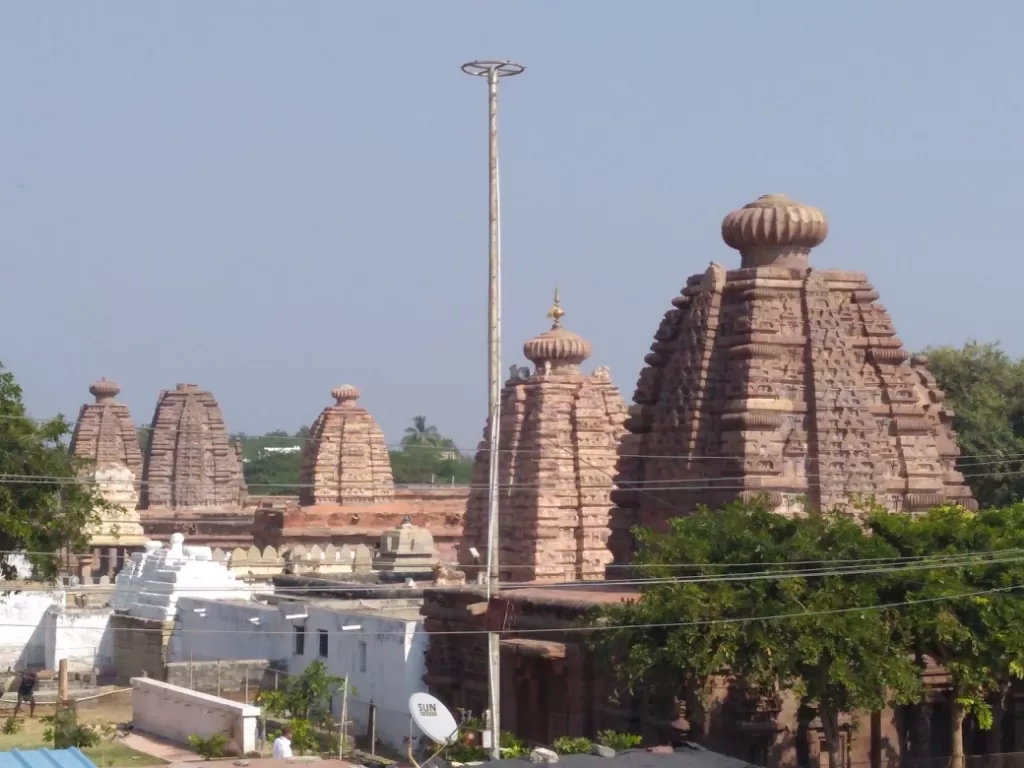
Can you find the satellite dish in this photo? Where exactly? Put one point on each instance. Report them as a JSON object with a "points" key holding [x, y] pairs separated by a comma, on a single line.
{"points": [[433, 718]]}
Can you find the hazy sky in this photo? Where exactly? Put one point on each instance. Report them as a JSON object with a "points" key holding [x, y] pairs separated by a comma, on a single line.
{"points": [[272, 198]]}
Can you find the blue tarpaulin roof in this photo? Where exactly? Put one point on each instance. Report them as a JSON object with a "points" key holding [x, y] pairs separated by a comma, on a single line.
{"points": [[45, 758]]}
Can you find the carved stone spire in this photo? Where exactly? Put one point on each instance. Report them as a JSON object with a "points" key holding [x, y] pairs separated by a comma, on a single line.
{"points": [[559, 437], [782, 382], [346, 459], [190, 463]]}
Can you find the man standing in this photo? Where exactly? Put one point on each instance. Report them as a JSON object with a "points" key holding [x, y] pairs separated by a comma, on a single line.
{"points": [[27, 692], [283, 745]]}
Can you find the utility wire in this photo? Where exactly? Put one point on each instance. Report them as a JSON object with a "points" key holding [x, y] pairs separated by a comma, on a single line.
{"points": [[823, 572], [484, 449], [626, 485], [594, 628], [829, 562]]}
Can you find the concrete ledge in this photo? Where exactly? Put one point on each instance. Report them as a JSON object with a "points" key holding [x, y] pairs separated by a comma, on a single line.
{"points": [[175, 713]]}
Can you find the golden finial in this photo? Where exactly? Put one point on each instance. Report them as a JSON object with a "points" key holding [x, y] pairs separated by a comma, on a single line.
{"points": [[556, 312]]}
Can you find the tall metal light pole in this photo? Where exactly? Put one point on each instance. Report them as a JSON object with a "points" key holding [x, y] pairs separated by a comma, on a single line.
{"points": [[493, 71]]}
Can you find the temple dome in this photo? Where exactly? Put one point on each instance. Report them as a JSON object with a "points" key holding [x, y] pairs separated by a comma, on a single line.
{"points": [[560, 349], [346, 393], [774, 230], [104, 390]]}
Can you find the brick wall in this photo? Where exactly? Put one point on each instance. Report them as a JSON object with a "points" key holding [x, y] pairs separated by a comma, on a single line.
{"points": [[237, 680], [139, 647]]}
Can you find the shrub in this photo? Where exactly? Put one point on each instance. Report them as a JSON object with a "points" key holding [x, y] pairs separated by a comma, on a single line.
{"points": [[564, 745], [209, 748], [11, 726], [618, 741]]}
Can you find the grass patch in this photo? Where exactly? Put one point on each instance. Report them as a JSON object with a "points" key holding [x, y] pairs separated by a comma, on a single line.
{"points": [[114, 755], [108, 754]]}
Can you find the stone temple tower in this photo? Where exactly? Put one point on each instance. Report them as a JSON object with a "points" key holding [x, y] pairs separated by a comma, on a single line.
{"points": [[190, 464], [783, 381], [106, 446], [558, 442], [346, 459]]}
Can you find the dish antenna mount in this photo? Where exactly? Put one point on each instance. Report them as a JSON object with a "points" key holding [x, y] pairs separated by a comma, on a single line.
{"points": [[434, 720]]}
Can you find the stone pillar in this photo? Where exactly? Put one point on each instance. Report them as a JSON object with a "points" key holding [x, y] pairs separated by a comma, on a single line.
{"points": [[85, 566]]}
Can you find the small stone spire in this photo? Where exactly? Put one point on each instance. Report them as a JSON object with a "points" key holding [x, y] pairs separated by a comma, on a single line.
{"points": [[104, 390]]}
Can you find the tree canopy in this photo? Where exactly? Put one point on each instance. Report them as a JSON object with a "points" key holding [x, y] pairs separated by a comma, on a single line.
{"points": [[841, 616], [985, 387], [43, 509]]}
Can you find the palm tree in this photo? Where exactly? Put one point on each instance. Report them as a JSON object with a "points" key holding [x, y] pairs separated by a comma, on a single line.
{"points": [[421, 433]]}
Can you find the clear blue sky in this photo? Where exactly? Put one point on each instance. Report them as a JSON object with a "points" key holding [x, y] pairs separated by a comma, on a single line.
{"points": [[272, 198]]}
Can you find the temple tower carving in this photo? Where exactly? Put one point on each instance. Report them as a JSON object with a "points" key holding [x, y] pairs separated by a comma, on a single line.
{"points": [[346, 459], [558, 442], [190, 464], [106, 447], [782, 381]]}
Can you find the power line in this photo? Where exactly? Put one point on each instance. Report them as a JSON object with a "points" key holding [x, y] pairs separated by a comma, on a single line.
{"points": [[966, 560], [594, 628], [707, 483], [483, 449], [830, 562]]}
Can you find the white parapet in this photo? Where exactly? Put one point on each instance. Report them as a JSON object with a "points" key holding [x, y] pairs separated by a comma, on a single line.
{"points": [[149, 585], [175, 713]]}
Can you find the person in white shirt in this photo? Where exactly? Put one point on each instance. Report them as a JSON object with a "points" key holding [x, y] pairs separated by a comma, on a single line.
{"points": [[283, 745]]}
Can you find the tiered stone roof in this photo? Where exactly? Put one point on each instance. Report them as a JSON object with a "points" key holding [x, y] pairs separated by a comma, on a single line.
{"points": [[346, 459], [782, 380], [190, 463], [107, 446], [558, 441]]}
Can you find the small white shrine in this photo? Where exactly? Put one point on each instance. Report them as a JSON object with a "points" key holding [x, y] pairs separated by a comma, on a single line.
{"points": [[149, 585]]}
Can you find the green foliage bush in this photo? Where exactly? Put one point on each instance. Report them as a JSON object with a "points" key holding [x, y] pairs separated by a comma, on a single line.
{"points": [[209, 748], [618, 741], [566, 745]]}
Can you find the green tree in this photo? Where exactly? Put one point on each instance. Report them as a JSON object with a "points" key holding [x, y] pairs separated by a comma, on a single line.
{"points": [[985, 387], [427, 456], [42, 507], [306, 701], [422, 434], [748, 568], [273, 472], [978, 639]]}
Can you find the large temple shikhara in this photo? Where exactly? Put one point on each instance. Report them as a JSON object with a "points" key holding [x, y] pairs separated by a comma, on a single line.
{"points": [[781, 380], [191, 464], [558, 442], [106, 447]]}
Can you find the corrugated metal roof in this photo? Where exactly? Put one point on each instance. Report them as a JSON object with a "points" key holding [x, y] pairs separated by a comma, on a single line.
{"points": [[45, 758]]}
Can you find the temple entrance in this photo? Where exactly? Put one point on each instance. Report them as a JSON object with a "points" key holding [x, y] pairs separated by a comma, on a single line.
{"points": [[534, 690]]}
